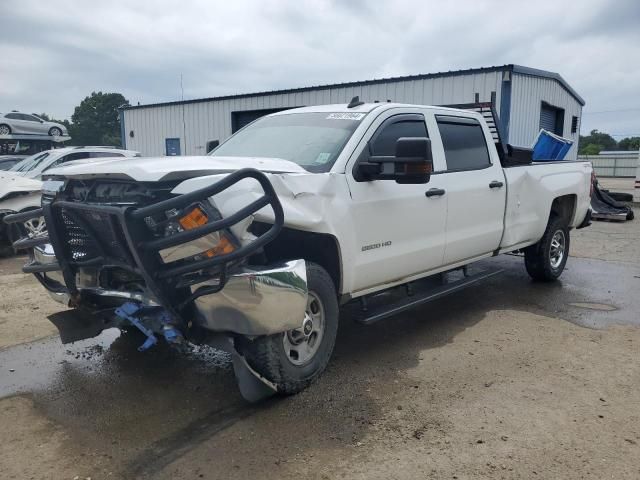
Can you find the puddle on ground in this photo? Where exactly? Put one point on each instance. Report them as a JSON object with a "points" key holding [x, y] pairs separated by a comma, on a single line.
{"points": [[38, 364], [603, 307]]}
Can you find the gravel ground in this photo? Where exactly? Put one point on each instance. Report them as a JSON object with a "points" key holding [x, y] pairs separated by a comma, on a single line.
{"points": [[499, 381]]}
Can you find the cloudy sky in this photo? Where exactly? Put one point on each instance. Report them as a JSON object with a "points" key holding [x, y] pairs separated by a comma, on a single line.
{"points": [[55, 54]]}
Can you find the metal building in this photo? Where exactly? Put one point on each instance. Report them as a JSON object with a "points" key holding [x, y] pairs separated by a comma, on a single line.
{"points": [[526, 99]]}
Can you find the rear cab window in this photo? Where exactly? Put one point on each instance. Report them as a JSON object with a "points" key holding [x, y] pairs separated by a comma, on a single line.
{"points": [[464, 142]]}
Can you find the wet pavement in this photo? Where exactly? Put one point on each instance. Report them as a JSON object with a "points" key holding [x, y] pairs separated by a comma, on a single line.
{"points": [[145, 410]]}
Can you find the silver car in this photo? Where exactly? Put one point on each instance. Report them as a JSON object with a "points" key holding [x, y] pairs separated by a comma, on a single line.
{"points": [[16, 122]]}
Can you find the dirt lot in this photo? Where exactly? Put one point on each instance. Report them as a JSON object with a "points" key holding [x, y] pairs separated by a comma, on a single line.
{"points": [[508, 379]]}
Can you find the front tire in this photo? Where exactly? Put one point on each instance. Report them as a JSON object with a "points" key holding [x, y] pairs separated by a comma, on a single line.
{"points": [[546, 260], [293, 360], [55, 132]]}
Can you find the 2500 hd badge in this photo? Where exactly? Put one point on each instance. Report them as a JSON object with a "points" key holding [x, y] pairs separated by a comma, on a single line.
{"points": [[376, 245]]}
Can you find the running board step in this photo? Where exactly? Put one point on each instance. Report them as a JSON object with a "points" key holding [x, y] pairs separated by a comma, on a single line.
{"points": [[420, 297]]}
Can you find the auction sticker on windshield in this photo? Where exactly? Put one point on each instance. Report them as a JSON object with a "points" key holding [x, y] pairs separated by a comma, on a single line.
{"points": [[345, 116]]}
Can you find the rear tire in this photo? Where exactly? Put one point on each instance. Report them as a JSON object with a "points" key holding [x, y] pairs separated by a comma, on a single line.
{"points": [[5, 129], [284, 358], [546, 259]]}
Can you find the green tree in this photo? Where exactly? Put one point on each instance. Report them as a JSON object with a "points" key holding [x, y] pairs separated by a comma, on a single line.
{"points": [[48, 118], [603, 140], [95, 121], [591, 149], [629, 143]]}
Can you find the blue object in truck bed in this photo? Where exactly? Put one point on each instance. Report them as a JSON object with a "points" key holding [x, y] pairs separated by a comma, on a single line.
{"points": [[550, 147]]}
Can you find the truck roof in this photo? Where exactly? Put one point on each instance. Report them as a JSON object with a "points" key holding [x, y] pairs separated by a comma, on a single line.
{"points": [[365, 108]]}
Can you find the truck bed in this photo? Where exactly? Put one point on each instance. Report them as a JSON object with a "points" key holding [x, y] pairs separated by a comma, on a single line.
{"points": [[530, 190]]}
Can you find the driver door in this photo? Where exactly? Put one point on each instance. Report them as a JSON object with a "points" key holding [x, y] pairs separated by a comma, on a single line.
{"points": [[398, 230]]}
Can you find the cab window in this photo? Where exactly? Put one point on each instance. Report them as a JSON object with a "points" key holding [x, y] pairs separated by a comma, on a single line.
{"points": [[384, 141], [465, 146]]}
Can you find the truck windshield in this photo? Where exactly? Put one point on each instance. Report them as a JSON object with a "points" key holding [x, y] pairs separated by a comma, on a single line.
{"points": [[312, 140]]}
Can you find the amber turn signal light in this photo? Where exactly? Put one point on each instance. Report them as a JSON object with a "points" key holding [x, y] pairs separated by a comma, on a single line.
{"points": [[194, 219]]}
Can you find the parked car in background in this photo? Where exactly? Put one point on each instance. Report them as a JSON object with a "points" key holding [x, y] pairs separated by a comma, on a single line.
{"points": [[8, 161], [20, 186], [35, 165], [17, 122]]}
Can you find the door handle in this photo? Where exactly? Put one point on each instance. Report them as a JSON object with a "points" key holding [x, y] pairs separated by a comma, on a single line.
{"points": [[435, 192], [496, 184]]}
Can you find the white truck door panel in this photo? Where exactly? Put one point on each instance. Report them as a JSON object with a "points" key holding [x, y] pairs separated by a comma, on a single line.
{"points": [[475, 188], [398, 230]]}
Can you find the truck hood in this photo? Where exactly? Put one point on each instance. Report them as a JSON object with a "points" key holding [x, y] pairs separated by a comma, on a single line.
{"points": [[155, 169], [12, 183]]}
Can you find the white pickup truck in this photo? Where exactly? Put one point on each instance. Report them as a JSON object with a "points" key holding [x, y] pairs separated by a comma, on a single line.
{"points": [[261, 242]]}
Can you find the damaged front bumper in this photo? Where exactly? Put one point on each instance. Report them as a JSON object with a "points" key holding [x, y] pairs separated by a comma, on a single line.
{"points": [[258, 301], [227, 296]]}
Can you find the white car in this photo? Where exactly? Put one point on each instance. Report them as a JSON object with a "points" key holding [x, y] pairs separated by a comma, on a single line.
{"points": [[28, 123], [256, 246], [20, 186], [35, 165]]}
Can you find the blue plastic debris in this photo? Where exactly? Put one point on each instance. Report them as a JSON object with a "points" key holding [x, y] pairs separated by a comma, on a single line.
{"points": [[159, 318], [172, 334], [127, 311], [550, 147]]}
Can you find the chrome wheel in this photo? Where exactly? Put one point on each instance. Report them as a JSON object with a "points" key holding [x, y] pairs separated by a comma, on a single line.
{"points": [[557, 250], [4, 130], [55, 132], [301, 344], [35, 227]]}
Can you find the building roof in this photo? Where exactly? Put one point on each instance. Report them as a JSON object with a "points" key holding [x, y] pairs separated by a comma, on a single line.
{"points": [[518, 69]]}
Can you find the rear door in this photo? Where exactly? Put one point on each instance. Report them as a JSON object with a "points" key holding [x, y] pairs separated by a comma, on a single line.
{"points": [[32, 124], [475, 187], [398, 230]]}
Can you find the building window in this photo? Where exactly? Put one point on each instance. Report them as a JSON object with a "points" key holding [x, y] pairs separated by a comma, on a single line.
{"points": [[574, 124], [465, 146], [552, 118]]}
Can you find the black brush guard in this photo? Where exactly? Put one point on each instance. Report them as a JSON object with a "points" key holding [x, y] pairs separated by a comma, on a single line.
{"points": [[118, 236]]}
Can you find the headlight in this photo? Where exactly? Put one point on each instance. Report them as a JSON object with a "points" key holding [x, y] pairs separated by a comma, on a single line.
{"points": [[210, 245]]}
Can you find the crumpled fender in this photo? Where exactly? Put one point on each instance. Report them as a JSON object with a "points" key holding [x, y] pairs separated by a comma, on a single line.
{"points": [[306, 198]]}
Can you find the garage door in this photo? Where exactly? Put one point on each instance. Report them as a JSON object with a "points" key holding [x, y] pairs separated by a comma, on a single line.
{"points": [[551, 118]]}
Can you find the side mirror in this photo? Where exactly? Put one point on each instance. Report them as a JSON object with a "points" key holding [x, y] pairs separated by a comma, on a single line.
{"points": [[412, 163]]}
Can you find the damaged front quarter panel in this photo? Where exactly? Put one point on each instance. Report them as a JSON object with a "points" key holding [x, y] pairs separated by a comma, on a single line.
{"points": [[270, 299], [306, 198]]}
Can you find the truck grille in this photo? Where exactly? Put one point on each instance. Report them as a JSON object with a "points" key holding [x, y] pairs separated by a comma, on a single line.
{"points": [[106, 238]]}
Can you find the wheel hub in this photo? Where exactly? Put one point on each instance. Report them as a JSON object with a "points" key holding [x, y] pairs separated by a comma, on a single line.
{"points": [[307, 325], [302, 344], [557, 250], [35, 226]]}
